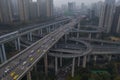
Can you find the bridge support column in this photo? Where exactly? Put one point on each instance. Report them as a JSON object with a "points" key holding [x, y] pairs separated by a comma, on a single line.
{"points": [[90, 35], [61, 61], [109, 58], [84, 61], [41, 32], [97, 35], [88, 58], [17, 44], [78, 61], [49, 29], [77, 34], [28, 38], [36, 72], [35, 68], [101, 44], [79, 26], [2, 53], [46, 64], [65, 38], [56, 65], [53, 27], [73, 67], [95, 58], [29, 76], [31, 38]]}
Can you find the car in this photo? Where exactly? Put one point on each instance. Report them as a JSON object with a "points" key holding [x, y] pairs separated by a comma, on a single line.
{"points": [[24, 62], [53, 39], [32, 51], [12, 74], [15, 77], [30, 55], [31, 59], [22, 67], [38, 51], [44, 50], [7, 69]]}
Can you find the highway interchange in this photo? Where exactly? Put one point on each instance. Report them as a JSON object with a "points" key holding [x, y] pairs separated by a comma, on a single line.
{"points": [[25, 60], [22, 63]]}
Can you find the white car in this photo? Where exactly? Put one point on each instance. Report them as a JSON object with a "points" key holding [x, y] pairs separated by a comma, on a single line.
{"points": [[24, 63], [44, 50], [7, 69], [32, 51]]}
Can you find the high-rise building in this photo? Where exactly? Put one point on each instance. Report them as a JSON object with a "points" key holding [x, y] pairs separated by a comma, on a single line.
{"points": [[24, 6], [33, 13], [49, 8], [46, 8], [83, 9], [116, 21], [107, 13], [71, 6], [5, 11], [25, 10], [96, 7]]}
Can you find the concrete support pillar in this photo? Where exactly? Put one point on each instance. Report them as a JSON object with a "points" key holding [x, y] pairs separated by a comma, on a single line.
{"points": [[56, 65], [31, 38], [77, 34], [65, 38], [61, 59], [88, 58], [36, 72], [38, 32], [90, 35], [17, 44], [54, 27], [79, 26], [2, 53], [35, 68], [84, 61], [109, 58], [41, 32], [29, 76], [28, 38], [95, 58], [101, 44], [97, 35], [46, 65], [48, 29], [73, 67], [78, 61]]}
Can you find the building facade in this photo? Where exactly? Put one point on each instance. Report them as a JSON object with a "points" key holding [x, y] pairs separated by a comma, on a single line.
{"points": [[24, 10], [106, 17]]}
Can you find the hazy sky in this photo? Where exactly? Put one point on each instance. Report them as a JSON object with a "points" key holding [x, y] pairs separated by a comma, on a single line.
{"points": [[59, 2]]}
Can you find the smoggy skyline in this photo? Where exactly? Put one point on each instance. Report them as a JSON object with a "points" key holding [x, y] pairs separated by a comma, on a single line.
{"points": [[60, 2]]}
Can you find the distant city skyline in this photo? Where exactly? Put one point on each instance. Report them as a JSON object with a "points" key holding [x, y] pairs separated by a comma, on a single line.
{"points": [[58, 3]]}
